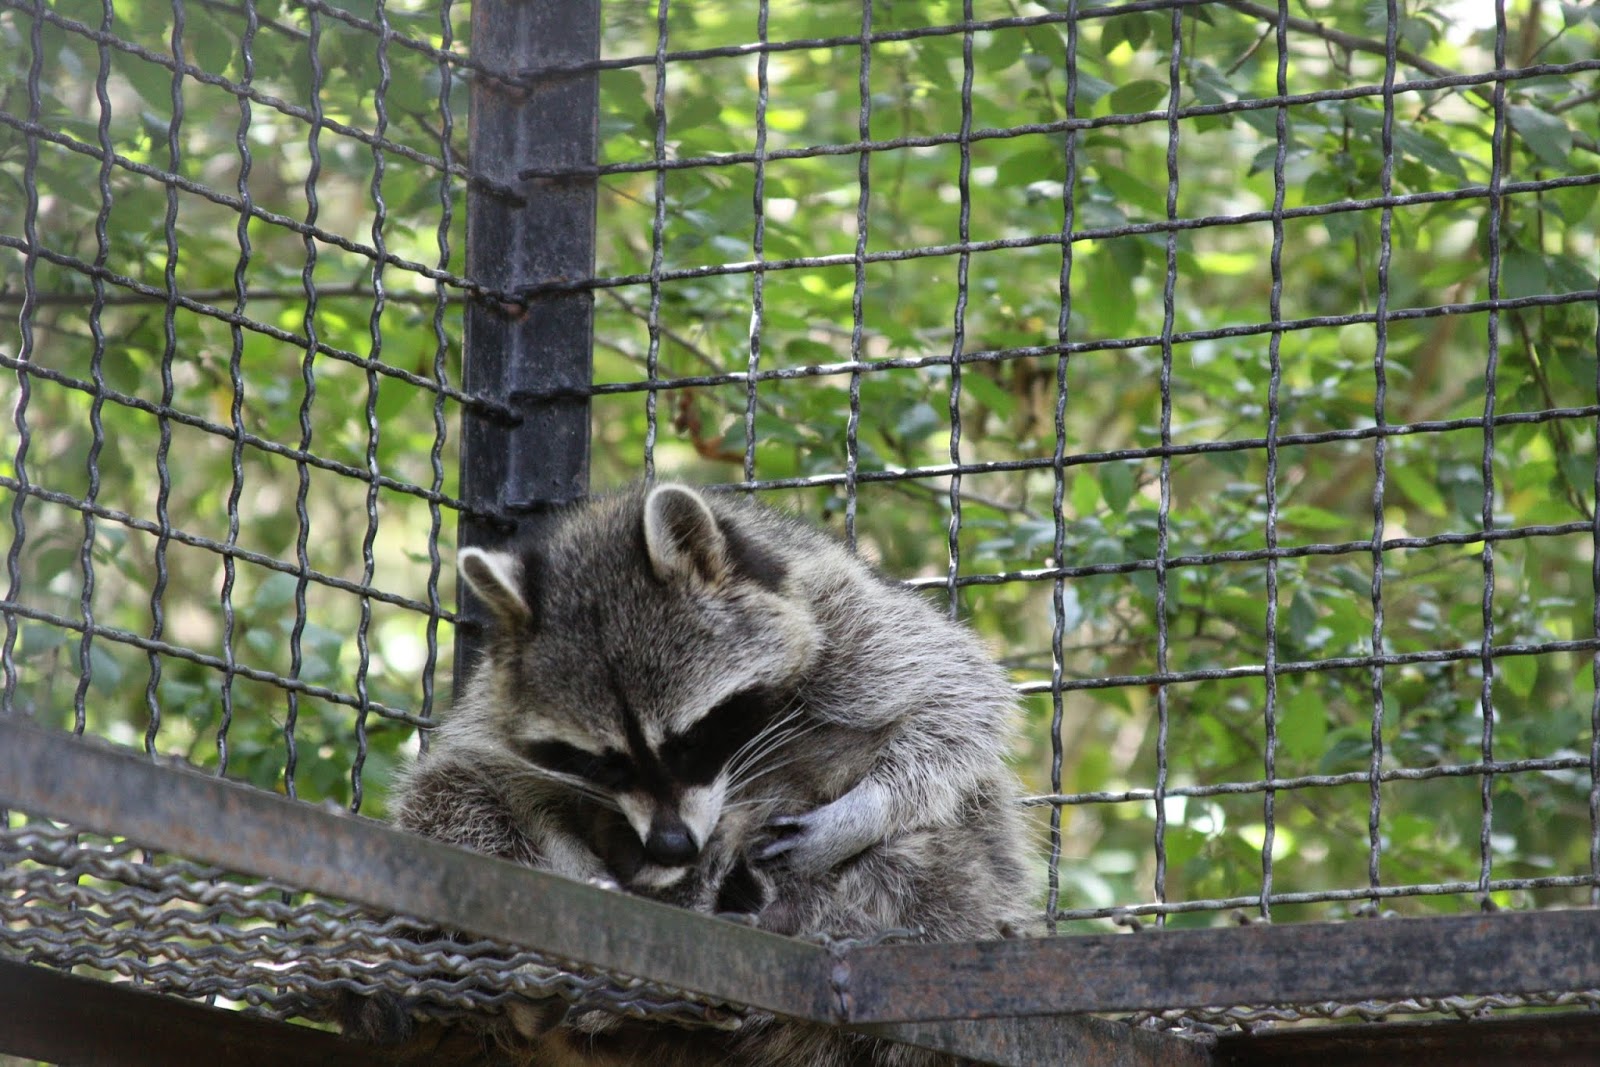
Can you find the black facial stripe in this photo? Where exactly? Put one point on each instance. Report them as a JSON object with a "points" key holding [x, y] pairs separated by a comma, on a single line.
{"points": [[700, 753], [652, 778], [609, 770]]}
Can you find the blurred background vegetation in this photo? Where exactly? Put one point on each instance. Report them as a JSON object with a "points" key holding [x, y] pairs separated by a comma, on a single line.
{"points": [[240, 411]]}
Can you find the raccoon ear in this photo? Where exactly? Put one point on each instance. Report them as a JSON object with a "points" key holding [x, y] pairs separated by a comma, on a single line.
{"points": [[682, 536], [497, 578]]}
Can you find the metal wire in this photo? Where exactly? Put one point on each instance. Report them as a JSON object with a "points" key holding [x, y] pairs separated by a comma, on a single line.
{"points": [[657, 240], [380, 214], [852, 427], [1164, 512], [243, 91], [1058, 606], [441, 353], [308, 396], [1491, 384], [102, 243], [1243, 105], [24, 354], [236, 383], [74, 900], [1379, 457], [758, 238], [198, 932], [1274, 391], [998, 355]]}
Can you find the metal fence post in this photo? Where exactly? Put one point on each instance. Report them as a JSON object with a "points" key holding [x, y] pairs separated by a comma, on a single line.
{"points": [[543, 115]]}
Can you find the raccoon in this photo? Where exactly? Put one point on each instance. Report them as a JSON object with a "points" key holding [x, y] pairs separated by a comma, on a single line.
{"points": [[692, 697]]}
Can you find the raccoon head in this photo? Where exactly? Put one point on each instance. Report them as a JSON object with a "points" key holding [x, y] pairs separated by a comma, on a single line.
{"points": [[645, 654]]}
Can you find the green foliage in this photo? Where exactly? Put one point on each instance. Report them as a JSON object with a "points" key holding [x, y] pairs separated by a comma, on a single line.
{"points": [[1216, 612], [219, 371], [1227, 158]]}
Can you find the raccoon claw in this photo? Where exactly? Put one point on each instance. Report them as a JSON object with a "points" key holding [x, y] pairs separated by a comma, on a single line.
{"points": [[781, 834], [743, 918], [827, 836]]}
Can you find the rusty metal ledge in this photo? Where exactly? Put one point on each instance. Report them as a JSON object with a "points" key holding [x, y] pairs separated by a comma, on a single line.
{"points": [[247, 830], [63, 1018], [239, 828], [1559, 1039], [1075, 1041], [1512, 952]]}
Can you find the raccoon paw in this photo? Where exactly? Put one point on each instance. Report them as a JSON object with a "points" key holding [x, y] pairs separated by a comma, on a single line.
{"points": [[742, 895], [377, 1018], [534, 1018], [826, 836]]}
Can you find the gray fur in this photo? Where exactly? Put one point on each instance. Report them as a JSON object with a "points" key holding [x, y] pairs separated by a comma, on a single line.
{"points": [[877, 797]]}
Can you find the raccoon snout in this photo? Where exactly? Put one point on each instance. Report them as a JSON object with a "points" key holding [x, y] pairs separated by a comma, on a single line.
{"points": [[669, 843]]}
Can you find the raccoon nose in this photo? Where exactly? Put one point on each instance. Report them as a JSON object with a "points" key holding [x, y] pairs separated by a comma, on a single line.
{"points": [[669, 843]]}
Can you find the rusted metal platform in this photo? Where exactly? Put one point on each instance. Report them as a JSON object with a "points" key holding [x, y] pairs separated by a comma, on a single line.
{"points": [[1017, 1002]]}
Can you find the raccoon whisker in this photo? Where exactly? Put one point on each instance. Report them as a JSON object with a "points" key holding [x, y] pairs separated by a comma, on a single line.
{"points": [[738, 769], [768, 769], [753, 756], [779, 729], [784, 718], [576, 785], [748, 802], [752, 769], [765, 770]]}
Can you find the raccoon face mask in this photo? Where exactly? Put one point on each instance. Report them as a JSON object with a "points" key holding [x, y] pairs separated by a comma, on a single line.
{"points": [[648, 661]]}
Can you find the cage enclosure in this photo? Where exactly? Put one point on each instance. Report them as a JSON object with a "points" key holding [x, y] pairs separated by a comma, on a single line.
{"points": [[1232, 368]]}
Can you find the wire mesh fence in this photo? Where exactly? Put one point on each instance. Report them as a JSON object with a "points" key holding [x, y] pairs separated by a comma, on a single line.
{"points": [[1231, 368], [233, 274]]}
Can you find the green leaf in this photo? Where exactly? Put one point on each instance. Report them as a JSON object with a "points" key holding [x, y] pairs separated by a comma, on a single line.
{"points": [[1105, 288], [1116, 486], [1032, 165], [986, 391], [1001, 50], [1091, 89], [38, 638], [1350, 750], [1424, 146], [1519, 673], [918, 421], [1416, 487], [106, 671], [1569, 274], [1305, 516], [1302, 613], [1547, 135], [1134, 190], [1303, 725], [1138, 96], [275, 593], [1085, 494], [1522, 273], [1573, 14], [1574, 204], [1132, 30], [1209, 85]]}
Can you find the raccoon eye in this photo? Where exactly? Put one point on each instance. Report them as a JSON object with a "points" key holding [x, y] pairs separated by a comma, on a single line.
{"points": [[699, 754], [608, 770]]}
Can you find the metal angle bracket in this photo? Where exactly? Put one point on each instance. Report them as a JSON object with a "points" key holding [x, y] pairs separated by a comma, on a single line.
{"points": [[95, 786], [1507, 952], [1072, 1040], [905, 989]]}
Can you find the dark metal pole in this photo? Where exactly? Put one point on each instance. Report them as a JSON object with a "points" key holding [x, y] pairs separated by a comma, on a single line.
{"points": [[516, 352]]}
